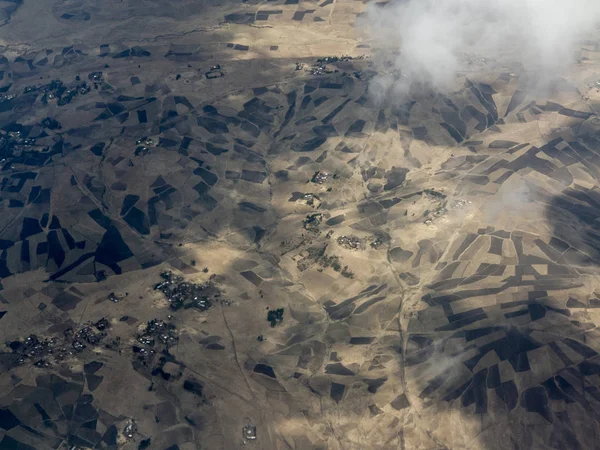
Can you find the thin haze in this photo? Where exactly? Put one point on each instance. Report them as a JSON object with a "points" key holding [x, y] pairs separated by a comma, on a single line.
{"points": [[426, 40]]}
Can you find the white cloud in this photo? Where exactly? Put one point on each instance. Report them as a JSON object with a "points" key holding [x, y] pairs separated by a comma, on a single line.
{"points": [[426, 40]]}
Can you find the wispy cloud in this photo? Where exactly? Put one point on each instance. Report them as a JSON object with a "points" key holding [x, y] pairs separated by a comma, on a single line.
{"points": [[431, 41]]}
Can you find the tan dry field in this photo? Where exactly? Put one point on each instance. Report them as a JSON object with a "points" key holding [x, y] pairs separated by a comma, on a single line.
{"points": [[439, 285]]}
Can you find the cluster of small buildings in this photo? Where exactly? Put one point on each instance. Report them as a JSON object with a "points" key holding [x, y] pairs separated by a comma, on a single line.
{"points": [[43, 352], [376, 241], [310, 200], [459, 204], [57, 91], [442, 209], [158, 331], [350, 242], [13, 144], [6, 97], [248, 433], [143, 146], [436, 213], [88, 335], [214, 72], [312, 221], [130, 430], [321, 67], [183, 294], [51, 124], [343, 58], [471, 58], [322, 64], [321, 177]]}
